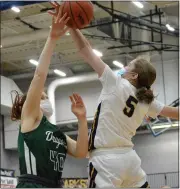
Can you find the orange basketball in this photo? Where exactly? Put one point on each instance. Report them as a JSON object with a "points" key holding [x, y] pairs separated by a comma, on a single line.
{"points": [[80, 12]]}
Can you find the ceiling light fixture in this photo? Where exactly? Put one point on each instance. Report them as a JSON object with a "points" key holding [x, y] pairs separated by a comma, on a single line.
{"points": [[138, 4], [170, 28], [59, 72], [34, 62], [67, 33], [98, 53], [15, 9], [118, 64], [1, 46]]}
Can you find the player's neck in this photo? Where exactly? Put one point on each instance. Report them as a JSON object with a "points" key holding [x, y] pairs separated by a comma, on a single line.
{"points": [[133, 82]]}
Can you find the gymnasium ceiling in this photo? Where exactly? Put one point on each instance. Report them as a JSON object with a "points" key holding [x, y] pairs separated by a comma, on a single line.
{"points": [[21, 43]]}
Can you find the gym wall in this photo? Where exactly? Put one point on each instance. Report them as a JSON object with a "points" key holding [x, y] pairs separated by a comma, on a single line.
{"points": [[9, 158]]}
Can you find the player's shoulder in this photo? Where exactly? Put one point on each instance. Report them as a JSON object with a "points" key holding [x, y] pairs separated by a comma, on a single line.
{"points": [[125, 84]]}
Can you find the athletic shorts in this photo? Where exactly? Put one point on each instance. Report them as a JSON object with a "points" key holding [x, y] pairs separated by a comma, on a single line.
{"points": [[117, 168], [29, 185], [34, 181]]}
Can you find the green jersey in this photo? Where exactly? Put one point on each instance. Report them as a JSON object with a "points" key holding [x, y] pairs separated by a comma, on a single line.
{"points": [[42, 152]]}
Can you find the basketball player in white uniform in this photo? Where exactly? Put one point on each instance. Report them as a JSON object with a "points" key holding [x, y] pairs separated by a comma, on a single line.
{"points": [[125, 100]]}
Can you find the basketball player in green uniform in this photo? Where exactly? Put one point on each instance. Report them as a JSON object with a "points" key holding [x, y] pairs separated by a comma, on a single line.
{"points": [[42, 146]]}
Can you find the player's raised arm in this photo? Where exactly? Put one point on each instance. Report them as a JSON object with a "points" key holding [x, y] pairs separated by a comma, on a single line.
{"points": [[83, 46], [171, 112], [86, 51], [157, 108], [79, 148], [31, 107]]}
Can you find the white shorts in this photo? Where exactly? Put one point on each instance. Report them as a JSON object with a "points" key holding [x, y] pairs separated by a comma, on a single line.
{"points": [[116, 167]]}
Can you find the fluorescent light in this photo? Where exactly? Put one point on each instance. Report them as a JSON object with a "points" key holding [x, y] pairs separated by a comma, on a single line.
{"points": [[138, 4], [118, 64], [15, 9], [97, 53], [59, 72], [33, 62], [1, 46], [170, 28], [165, 126]]}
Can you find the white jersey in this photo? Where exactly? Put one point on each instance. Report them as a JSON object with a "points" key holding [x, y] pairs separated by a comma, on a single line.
{"points": [[119, 113]]}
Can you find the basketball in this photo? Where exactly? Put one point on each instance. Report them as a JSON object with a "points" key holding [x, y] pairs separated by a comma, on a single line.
{"points": [[80, 12]]}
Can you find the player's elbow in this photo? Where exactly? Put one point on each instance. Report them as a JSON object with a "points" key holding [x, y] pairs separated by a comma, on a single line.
{"points": [[82, 154], [171, 112], [176, 114]]}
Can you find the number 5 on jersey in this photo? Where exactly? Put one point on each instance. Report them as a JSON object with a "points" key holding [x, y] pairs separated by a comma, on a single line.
{"points": [[130, 106]]}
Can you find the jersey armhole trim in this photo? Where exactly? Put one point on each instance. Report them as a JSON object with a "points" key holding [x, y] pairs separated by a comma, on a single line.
{"points": [[37, 128]]}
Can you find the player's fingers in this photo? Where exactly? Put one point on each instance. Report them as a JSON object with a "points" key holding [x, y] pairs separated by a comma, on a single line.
{"points": [[51, 13], [53, 4], [72, 100], [75, 97], [63, 18], [56, 3], [66, 20]]}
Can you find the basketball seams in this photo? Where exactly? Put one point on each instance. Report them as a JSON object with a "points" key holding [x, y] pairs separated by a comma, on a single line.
{"points": [[72, 14], [63, 8], [80, 14], [83, 11]]}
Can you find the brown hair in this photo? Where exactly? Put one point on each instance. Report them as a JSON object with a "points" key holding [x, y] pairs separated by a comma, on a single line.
{"points": [[17, 106], [146, 77]]}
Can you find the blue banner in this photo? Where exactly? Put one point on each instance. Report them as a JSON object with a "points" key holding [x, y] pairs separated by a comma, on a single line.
{"points": [[4, 5], [7, 172]]}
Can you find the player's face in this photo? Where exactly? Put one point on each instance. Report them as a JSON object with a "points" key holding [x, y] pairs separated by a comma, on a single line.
{"points": [[130, 74], [46, 105]]}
